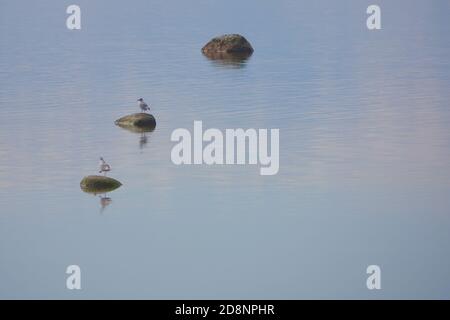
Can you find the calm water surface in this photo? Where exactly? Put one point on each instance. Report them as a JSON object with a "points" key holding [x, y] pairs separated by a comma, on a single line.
{"points": [[364, 176]]}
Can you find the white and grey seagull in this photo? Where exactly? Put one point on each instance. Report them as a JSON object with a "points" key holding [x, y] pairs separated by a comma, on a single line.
{"points": [[144, 107], [104, 167]]}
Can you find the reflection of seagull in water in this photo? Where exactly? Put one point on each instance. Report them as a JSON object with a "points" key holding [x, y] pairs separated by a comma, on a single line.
{"points": [[142, 140], [104, 167], [104, 202], [144, 107]]}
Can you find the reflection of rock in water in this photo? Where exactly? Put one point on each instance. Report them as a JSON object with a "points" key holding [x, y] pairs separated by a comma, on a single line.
{"points": [[228, 50], [229, 60], [104, 202]]}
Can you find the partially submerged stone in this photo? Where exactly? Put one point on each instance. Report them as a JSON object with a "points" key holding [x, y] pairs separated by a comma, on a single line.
{"points": [[137, 122], [99, 184], [228, 46], [135, 129]]}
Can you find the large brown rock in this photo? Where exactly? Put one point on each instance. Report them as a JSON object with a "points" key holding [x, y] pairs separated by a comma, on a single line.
{"points": [[226, 46]]}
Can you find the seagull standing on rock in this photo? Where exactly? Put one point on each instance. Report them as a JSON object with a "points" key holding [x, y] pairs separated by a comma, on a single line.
{"points": [[144, 107], [104, 167]]}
